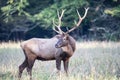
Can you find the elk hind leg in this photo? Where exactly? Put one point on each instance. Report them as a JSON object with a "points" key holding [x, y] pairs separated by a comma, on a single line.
{"points": [[22, 67], [30, 65]]}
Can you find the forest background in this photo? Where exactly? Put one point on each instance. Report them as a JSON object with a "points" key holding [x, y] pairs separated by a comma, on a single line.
{"points": [[24, 19]]}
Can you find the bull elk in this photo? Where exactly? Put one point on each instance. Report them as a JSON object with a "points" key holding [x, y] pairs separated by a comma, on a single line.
{"points": [[60, 48]]}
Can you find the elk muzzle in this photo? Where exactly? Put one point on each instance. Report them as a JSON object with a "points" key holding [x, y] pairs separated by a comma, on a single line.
{"points": [[58, 44], [61, 42]]}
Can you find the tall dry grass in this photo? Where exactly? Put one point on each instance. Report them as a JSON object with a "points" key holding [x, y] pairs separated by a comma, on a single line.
{"points": [[91, 61]]}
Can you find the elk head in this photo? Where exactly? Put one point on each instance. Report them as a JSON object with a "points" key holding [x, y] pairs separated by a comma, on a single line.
{"points": [[63, 41], [63, 38]]}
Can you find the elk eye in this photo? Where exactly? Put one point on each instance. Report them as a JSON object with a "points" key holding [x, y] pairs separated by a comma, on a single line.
{"points": [[64, 39]]}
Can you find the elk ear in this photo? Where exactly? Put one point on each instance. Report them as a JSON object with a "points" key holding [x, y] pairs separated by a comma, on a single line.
{"points": [[67, 36]]}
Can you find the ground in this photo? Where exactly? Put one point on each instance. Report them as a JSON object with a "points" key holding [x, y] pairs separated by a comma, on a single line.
{"points": [[91, 61]]}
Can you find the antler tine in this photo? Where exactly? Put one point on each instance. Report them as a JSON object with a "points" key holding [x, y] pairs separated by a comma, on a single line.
{"points": [[54, 27], [59, 25], [60, 17], [86, 10], [80, 20], [79, 14], [59, 22]]}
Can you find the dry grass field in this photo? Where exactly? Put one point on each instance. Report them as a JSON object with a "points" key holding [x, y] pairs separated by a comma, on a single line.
{"points": [[91, 61]]}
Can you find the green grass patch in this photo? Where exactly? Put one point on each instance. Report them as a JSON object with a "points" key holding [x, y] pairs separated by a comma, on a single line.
{"points": [[91, 61]]}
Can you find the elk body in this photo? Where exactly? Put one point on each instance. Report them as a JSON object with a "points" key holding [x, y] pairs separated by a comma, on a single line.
{"points": [[60, 48]]}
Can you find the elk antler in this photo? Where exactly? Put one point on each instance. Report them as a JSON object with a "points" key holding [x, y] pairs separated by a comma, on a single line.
{"points": [[80, 20], [59, 23]]}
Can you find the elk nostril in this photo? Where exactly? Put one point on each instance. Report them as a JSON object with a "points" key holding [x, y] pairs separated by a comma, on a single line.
{"points": [[56, 45]]}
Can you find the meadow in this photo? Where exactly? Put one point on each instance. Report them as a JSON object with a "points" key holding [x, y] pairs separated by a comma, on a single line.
{"points": [[91, 61]]}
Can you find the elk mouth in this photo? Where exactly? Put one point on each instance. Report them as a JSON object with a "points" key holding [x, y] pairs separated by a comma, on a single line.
{"points": [[57, 46]]}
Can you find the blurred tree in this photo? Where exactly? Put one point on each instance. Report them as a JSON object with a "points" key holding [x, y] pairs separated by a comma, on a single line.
{"points": [[19, 12], [26, 15], [12, 8], [105, 23], [114, 11]]}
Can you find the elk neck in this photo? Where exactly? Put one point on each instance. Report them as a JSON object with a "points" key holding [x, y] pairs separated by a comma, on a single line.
{"points": [[68, 49]]}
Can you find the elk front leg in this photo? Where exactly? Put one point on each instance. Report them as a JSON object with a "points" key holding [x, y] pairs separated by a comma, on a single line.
{"points": [[58, 65], [66, 63]]}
